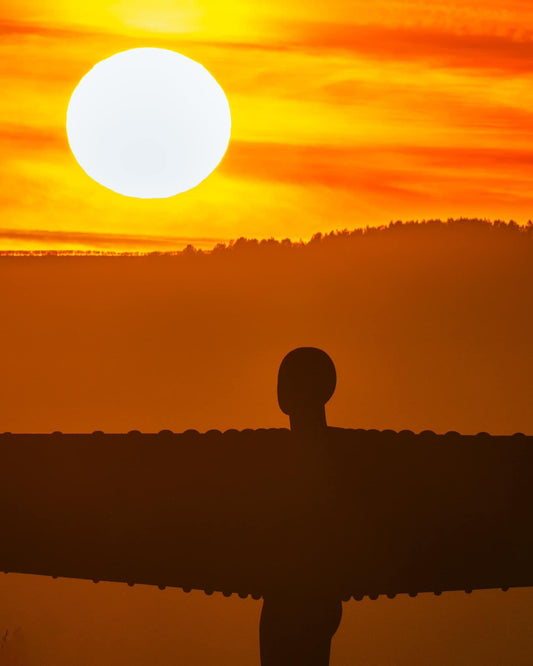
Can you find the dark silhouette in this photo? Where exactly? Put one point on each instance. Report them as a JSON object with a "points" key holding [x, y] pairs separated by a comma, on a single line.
{"points": [[304, 518], [306, 381], [296, 629]]}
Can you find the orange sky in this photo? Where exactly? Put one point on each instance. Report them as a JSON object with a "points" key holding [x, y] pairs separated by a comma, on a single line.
{"points": [[345, 113]]}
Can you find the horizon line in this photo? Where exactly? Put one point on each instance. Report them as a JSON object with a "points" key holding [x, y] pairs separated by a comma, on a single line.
{"points": [[219, 243]]}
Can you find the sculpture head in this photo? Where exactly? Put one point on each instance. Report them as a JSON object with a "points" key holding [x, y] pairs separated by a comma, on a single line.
{"points": [[306, 381]]}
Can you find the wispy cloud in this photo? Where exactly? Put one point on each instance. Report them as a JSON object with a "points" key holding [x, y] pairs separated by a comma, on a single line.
{"points": [[353, 166], [44, 29], [100, 240], [431, 44], [31, 138]]}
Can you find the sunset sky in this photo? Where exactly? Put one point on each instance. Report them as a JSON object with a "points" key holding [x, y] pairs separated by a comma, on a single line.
{"points": [[345, 114]]}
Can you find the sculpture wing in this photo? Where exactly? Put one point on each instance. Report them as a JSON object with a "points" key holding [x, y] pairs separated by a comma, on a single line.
{"points": [[432, 512], [353, 512], [164, 509]]}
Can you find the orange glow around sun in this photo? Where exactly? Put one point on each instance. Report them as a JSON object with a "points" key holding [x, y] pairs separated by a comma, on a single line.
{"points": [[345, 114]]}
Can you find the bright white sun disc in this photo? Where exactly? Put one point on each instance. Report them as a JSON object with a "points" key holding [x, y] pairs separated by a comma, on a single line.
{"points": [[148, 123]]}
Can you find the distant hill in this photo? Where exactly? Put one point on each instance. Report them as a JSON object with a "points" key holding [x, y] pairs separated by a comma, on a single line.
{"points": [[464, 225], [430, 325]]}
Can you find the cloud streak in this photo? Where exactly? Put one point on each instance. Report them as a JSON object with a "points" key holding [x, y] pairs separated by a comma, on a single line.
{"points": [[28, 138], [100, 240], [32, 28], [437, 46], [348, 166]]}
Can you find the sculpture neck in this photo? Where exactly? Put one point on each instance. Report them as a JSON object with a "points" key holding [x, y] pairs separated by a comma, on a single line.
{"points": [[309, 422]]}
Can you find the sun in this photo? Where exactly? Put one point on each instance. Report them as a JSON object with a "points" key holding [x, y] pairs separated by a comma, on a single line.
{"points": [[148, 123]]}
